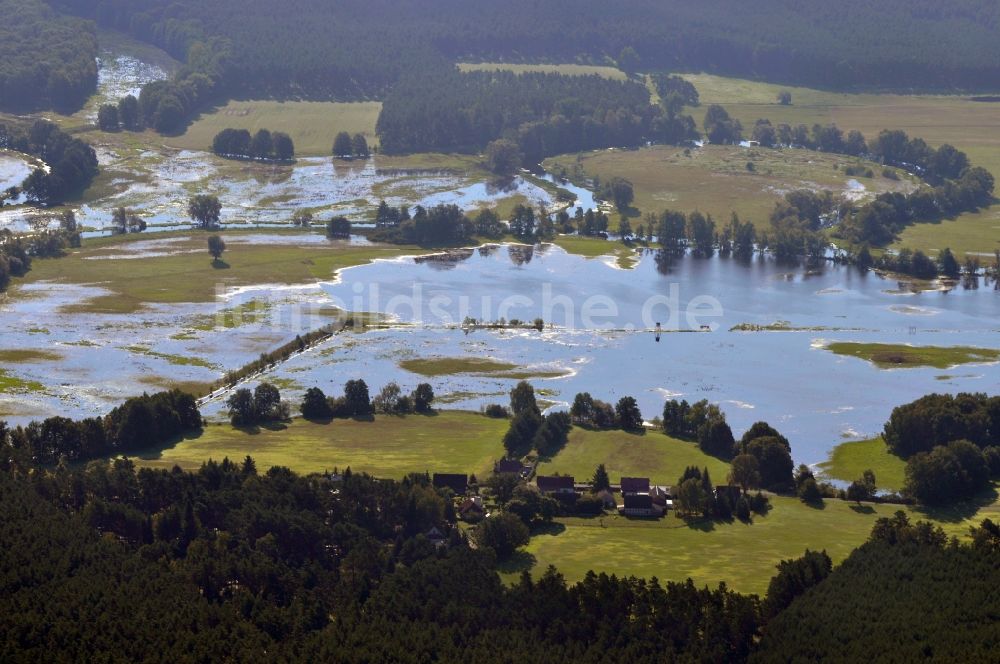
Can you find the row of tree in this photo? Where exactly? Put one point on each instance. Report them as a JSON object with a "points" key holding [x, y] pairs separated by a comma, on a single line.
{"points": [[358, 403], [262, 146], [139, 423], [346, 146], [439, 225]]}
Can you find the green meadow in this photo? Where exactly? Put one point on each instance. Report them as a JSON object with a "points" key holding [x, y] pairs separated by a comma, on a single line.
{"points": [[891, 356], [743, 556], [311, 124], [449, 441], [973, 127]]}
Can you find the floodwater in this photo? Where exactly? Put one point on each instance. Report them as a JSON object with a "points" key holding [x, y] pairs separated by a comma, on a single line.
{"points": [[14, 168], [102, 358], [814, 397], [158, 183], [599, 336], [599, 318]]}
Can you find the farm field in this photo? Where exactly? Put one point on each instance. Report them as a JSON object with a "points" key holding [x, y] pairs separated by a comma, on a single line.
{"points": [[391, 447], [743, 556], [971, 126], [654, 455], [566, 69], [716, 180], [849, 460], [311, 124]]}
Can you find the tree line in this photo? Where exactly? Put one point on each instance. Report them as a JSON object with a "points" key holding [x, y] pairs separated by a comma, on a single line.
{"points": [[263, 145], [956, 186], [360, 50], [72, 163], [138, 423]]}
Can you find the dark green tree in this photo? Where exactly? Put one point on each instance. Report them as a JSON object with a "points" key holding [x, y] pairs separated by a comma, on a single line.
{"points": [[503, 533], [343, 147], [600, 480], [522, 399], [204, 210], [216, 245], [627, 414]]}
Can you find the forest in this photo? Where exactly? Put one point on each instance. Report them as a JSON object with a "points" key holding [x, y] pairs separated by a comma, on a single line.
{"points": [[234, 562], [908, 594], [355, 48], [47, 60], [545, 114]]}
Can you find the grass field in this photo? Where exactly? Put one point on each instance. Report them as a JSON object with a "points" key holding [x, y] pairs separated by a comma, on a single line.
{"points": [[568, 69], [743, 556], [390, 447], [715, 179], [889, 356], [472, 366], [193, 277], [849, 460], [27, 355], [973, 127], [311, 124], [652, 455], [592, 247], [9, 383]]}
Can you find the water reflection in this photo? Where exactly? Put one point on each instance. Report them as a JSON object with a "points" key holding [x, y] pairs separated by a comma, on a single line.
{"points": [[779, 372]]}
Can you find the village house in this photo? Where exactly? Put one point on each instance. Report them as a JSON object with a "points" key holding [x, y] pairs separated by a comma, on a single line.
{"points": [[635, 486], [556, 485], [472, 509], [661, 496], [512, 466], [640, 504]]}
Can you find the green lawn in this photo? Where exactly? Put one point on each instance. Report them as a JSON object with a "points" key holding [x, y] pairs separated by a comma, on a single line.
{"points": [[715, 179], [450, 441], [973, 127], [568, 69], [743, 556], [888, 356], [193, 277], [311, 124], [652, 455], [849, 460]]}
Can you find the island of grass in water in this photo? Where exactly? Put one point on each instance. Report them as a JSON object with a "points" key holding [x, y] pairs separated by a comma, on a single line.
{"points": [[888, 356]]}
